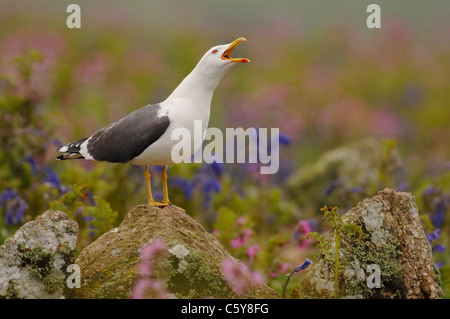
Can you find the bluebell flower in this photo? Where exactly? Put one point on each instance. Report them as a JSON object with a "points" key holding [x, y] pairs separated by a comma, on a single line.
{"points": [[403, 187], [284, 139], [429, 190], [16, 206], [185, 185], [304, 265], [157, 196], [217, 168], [211, 185], [356, 190], [7, 195], [34, 165], [52, 178], [438, 218], [331, 187], [88, 219], [434, 235], [93, 230], [439, 248], [16, 212], [439, 264], [91, 199]]}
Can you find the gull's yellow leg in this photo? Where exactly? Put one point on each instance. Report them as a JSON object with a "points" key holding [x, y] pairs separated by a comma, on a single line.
{"points": [[165, 200], [149, 188]]}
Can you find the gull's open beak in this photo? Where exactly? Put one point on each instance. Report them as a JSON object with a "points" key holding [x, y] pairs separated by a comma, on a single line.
{"points": [[227, 54]]}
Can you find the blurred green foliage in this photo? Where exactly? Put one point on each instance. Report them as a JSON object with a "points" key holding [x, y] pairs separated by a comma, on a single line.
{"points": [[321, 90]]}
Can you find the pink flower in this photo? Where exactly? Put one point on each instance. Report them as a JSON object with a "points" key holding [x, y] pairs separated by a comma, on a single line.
{"points": [[241, 240], [145, 268], [252, 251], [156, 247], [140, 289], [258, 278], [300, 232], [240, 221], [146, 286], [239, 276], [284, 267], [280, 268], [304, 225], [247, 234], [236, 243], [216, 232]]}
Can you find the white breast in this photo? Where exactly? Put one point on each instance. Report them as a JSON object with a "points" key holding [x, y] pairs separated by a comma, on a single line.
{"points": [[182, 113]]}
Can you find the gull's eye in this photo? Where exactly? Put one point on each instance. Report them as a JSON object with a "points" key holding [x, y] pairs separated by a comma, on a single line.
{"points": [[214, 51]]}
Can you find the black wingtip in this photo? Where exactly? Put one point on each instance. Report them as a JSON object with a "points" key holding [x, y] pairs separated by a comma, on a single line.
{"points": [[69, 156]]}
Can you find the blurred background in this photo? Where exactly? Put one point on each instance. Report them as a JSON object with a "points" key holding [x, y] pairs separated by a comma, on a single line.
{"points": [[358, 110]]}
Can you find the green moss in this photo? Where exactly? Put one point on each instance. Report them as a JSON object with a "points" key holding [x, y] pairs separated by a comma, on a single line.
{"points": [[198, 280], [41, 267], [386, 257], [116, 280], [52, 283], [64, 249], [71, 230], [12, 292]]}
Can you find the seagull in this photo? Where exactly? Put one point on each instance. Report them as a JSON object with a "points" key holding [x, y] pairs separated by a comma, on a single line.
{"points": [[143, 137]]}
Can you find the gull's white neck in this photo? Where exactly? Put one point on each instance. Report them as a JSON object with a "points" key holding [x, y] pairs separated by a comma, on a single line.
{"points": [[198, 86]]}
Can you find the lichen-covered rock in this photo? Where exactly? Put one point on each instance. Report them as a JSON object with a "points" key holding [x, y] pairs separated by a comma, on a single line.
{"points": [[33, 262], [190, 270], [393, 239]]}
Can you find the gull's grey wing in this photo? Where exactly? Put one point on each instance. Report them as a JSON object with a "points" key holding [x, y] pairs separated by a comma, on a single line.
{"points": [[127, 138]]}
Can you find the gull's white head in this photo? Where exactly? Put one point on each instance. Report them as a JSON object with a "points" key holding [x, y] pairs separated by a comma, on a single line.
{"points": [[218, 59], [208, 71]]}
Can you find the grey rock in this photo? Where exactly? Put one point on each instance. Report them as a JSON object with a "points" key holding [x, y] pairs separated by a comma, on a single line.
{"points": [[393, 239], [191, 268], [33, 261]]}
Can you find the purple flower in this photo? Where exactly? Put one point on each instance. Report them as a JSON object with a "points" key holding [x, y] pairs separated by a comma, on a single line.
{"points": [[438, 219], [403, 187], [304, 265], [211, 185], [88, 218], [356, 190], [52, 178], [185, 185], [33, 164], [439, 264], [6, 196], [157, 196], [331, 187], [434, 235], [439, 248], [296, 270], [16, 212], [15, 205], [217, 168], [284, 139], [429, 190]]}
